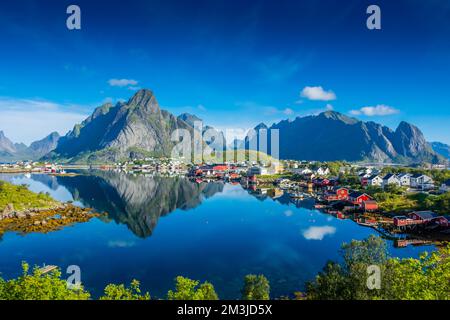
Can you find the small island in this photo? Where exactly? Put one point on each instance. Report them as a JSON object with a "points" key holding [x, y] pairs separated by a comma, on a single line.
{"points": [[24, 211]]}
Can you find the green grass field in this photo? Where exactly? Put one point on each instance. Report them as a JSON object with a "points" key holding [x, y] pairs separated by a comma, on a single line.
{"points": [[22, 198]]}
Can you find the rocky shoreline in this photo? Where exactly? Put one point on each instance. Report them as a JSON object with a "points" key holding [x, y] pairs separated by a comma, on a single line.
{"points": [[43, 219]]}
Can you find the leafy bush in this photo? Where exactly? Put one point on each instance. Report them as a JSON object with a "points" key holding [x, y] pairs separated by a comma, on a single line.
{"points": [[256, 287], [426, 278], [187, 289], [120, 292], [38, 286]]}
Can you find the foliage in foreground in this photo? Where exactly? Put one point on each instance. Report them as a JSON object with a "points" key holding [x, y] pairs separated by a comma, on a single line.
{"points": [[256, 287], [187, 289], [426, 278], [120, 292], [37, 286]]}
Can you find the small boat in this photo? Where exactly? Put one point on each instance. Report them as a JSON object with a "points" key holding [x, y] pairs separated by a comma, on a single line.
{"points": [[297, 195]]}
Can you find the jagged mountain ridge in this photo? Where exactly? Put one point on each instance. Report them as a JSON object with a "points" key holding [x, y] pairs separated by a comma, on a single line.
{"points": [[10, 151], [333, 136], [139, 128], [127, 130], [134, 129]]}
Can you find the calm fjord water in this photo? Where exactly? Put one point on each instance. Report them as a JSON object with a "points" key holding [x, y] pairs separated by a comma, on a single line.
{"points": [[158, 228]]}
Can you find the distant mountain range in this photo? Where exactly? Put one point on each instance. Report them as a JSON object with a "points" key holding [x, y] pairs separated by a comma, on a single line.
{"points": [[139, 128], [334, 136], [10, 151]]}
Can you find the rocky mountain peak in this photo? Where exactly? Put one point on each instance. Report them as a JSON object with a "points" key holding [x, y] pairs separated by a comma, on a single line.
{"points": [[334, 115], [145, 99], [5, 144], [189, 118], [408, 129]]}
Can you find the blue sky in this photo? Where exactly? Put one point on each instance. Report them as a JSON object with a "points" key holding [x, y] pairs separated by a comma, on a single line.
{"points": [[233, 63]]}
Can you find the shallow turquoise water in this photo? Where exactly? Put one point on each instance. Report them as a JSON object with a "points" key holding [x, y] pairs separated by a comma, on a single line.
{"points": [[159, 228]]}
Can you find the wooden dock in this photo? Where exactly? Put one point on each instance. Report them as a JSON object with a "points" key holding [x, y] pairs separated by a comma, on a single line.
{"points": [[47, 269]]}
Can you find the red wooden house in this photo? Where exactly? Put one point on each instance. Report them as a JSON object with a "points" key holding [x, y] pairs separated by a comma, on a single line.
{"points": [[443, 221], [220, 168], [357, 198], [337, 193], [423, 216], [369, 205]]}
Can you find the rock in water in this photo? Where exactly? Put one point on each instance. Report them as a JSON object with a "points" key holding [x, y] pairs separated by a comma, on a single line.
{"points": [[8, 211]]}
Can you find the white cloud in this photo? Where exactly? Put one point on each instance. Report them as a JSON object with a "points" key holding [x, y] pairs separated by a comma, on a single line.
{"points": [[288, 213], [317, 93], [122, 82], [379, 110], [329, 107], [318, 233], [121, 244], [27, 120]]}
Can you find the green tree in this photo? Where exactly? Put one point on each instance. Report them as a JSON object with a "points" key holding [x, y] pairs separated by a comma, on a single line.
{"points": [[38, 286], [414, 279], [256, 287], [187, 289], [120, 292], [330, 284], [426, 278]]}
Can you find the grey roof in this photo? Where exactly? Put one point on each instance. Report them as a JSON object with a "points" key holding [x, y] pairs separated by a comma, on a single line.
{"points": [[426, 214], [388, 176]]}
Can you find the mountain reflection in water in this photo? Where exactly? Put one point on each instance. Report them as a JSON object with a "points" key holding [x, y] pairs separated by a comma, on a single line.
{"points": [[221, 239], [134, 200]]}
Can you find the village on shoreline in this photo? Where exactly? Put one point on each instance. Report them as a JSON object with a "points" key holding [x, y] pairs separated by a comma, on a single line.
{"points": [[392, 199]]}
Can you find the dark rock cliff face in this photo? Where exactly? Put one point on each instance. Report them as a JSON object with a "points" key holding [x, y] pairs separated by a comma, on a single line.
{"points": [[138, 127], [137, 201], [133, 129], [334, 136]]}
